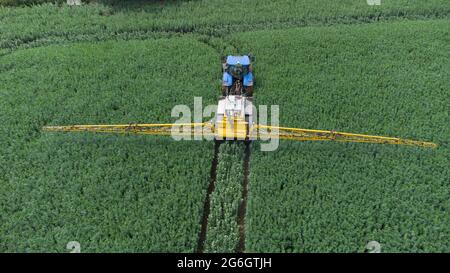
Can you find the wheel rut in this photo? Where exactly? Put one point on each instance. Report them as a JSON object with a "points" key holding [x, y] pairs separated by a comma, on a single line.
{"points": [[207, 202], [242, 210]]}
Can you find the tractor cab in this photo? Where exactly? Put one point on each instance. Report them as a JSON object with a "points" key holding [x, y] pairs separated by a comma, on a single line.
{"points": [[237, 76], [238, 66]]}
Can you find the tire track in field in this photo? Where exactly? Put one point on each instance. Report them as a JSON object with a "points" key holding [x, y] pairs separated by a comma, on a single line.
{"points": [[242, 210], [207, 202]]}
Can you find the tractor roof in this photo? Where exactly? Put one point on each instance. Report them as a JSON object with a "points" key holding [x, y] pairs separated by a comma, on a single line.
{"points": [[233, 60]]}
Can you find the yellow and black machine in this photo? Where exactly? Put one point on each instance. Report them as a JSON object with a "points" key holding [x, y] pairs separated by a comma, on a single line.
{"points": [[234, 120]]}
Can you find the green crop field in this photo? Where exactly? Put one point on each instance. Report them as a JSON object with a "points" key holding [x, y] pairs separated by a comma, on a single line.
{"points": [[113, 193], [388, 79], [331, 65]]}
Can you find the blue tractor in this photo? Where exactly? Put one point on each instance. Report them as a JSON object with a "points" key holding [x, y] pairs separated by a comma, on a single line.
{"points": [[237, 76]]}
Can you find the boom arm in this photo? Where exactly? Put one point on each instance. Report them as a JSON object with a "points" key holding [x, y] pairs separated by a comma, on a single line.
{"points": [[164, 129], [265, 132], [257, 132]]}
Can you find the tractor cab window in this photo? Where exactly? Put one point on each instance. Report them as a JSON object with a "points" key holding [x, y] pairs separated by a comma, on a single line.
{"points": [[238, 71]]}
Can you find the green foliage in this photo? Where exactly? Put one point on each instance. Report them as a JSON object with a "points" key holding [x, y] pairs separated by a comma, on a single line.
{"points": [[223, 233], [38, 2], [25, 2], [329, 197], [110, 193], [49, 23], [137, 193], [388, 79]]}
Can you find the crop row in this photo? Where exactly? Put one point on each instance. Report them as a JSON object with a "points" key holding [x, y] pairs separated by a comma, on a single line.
{"points": [[46, 23], [108, 192], [223, 234], [386, 79]]}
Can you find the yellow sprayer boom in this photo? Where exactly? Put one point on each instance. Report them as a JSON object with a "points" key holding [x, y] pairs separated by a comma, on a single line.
{"points": [[256, 132]]}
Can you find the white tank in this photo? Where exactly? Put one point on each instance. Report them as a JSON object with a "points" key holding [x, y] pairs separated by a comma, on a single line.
{"points": [[235, 107]]}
